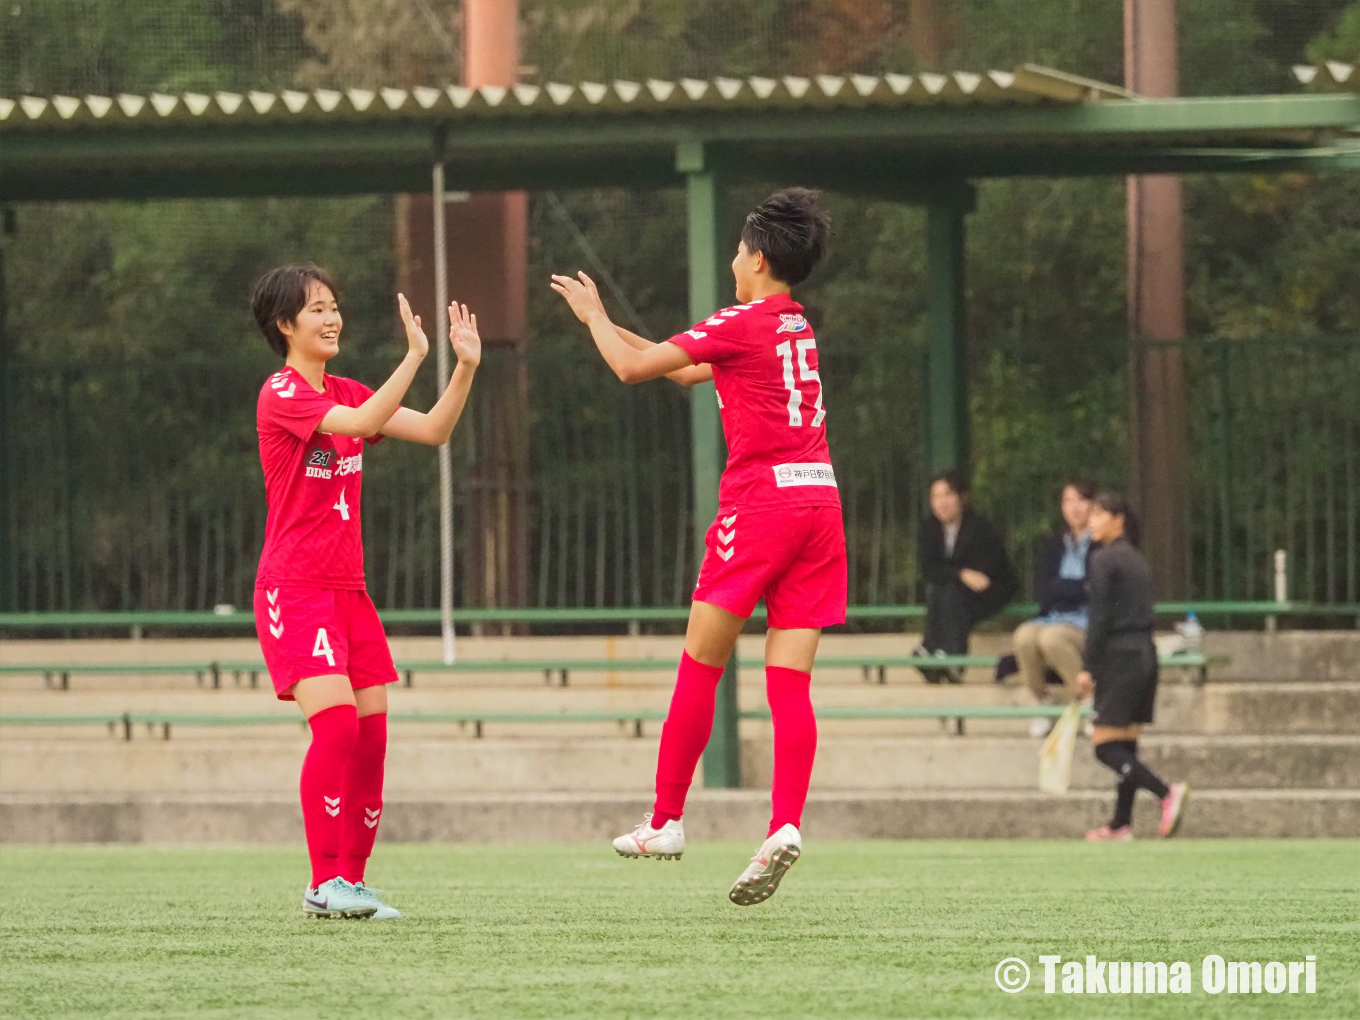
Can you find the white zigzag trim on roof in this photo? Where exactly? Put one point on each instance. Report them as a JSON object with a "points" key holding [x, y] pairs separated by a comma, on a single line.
{"points": [[1334, 74], [1026, 84]]}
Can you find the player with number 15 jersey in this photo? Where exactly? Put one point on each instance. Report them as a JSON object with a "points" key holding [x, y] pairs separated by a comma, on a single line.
{"points": [[778, 533]]}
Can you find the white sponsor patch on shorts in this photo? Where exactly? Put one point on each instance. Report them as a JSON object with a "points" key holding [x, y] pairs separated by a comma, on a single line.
{"points": [[804, 474]]}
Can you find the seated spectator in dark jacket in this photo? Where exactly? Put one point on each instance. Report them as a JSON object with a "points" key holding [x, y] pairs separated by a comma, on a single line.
{"points": [[968, 575], [1054, 640]]}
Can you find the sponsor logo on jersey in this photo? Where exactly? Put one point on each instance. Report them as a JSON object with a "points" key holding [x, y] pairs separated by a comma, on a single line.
{"points": [[319, 461], [349, 465], [786, 475], [791, 323]]}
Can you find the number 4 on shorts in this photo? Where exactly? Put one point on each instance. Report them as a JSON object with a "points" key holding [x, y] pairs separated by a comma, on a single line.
{"points": [[323, 646]]}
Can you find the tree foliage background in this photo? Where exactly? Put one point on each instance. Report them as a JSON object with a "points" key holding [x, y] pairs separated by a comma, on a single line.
{"points": [[134, 362]]}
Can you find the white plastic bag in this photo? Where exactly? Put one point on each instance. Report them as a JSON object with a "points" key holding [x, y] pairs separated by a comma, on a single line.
{"points": [[1055, 757]]}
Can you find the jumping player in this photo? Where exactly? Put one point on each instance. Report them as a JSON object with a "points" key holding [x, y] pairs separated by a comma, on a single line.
{"points": [[323, 643], [778, 534]]}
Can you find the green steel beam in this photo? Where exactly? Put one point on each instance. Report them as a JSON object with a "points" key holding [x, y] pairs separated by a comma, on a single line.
{"points": [[890, 145], [946, 382], [6, 540], [707, 284]]}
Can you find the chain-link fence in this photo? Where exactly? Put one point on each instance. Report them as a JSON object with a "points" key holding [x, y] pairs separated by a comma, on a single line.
{"points": [[105, 46]]}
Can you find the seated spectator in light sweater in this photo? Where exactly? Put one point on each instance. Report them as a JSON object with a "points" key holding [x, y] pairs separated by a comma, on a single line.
{"points": [[1055, 639], [968, 574]]}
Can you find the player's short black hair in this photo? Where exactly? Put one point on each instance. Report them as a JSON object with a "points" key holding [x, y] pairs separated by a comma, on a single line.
{"points": [[280, 294], [1117, 505], [952, 477], [791, 231]]}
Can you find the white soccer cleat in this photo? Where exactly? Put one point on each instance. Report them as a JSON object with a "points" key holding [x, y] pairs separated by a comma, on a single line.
{"points": [[337, 898], [384, 912], [761, 877], [666, 843]]}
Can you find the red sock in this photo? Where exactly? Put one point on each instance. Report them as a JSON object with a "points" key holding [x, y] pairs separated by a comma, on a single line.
{"points": [[363, 796], [684, 735], [334, 731], [795, 742]]}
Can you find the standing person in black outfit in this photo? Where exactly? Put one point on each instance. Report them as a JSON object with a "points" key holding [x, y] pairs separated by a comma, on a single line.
{"points": [[968, 575], [1121, 666]]}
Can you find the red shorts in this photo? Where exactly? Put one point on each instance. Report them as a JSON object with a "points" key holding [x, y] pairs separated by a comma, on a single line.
{"points": [[794, 558], [307, 632]]}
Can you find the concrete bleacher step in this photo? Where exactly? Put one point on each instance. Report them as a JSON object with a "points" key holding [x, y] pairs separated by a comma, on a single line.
{"points": [[736, 815], [1214, 708], [420, 763]]}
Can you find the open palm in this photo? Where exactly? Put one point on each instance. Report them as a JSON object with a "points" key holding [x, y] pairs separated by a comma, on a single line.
{"points": [[463, 335]]}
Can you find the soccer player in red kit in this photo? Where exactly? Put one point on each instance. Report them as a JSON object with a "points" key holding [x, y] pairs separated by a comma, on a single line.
{"points": [[323, 643], [778, 534]]}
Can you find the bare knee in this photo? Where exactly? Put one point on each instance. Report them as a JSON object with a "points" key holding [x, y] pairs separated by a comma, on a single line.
{"points": [[1027, 636], [712, 634]]}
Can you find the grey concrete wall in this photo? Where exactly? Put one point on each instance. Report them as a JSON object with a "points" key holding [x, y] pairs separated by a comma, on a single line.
{"points": [[740, 815]]}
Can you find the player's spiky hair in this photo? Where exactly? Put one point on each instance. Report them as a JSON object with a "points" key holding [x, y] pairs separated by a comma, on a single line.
{"points": [[791, 231], [280, 294]]}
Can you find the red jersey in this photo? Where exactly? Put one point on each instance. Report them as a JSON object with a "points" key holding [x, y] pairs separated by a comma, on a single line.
{"points": [[312, 483], [764, 360]]}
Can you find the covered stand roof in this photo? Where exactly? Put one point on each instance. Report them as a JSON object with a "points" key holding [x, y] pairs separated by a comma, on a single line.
{"points": [[894, 135]]}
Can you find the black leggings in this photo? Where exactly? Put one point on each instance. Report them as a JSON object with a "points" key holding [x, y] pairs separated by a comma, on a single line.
{"points": [[1122, 757]]}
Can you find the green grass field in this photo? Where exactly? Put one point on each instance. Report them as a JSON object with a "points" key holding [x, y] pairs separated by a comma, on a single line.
{"points": [[865, 929]]}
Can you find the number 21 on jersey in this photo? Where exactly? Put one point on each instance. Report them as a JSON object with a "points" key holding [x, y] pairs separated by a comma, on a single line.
{"points": [[805, 374]]}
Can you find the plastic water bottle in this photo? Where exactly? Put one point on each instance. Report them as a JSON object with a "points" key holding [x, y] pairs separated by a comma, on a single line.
{"points": [[1191, 633]]}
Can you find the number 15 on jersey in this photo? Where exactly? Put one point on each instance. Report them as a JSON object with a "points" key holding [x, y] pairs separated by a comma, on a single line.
{"points": [[805, 374]]}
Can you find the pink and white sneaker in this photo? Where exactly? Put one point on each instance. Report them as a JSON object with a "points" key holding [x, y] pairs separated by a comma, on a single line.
{"points": [[1106, 835], [666, 843], [1173, 807], [761, 878]]}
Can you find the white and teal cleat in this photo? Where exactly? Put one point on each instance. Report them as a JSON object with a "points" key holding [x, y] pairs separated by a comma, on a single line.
{"points": [[384, 912], [761, 877], [337, 898], [666, 843]]}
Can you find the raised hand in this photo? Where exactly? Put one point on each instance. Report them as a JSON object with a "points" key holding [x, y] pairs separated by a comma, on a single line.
{"points": [[594, 291], [416, 343], [463, 335], [583, 298]]}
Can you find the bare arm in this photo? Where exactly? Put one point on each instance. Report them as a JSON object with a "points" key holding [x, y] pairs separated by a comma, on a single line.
{"points": [[370, 416], [683, 376], [434, 427], [633, 358]]}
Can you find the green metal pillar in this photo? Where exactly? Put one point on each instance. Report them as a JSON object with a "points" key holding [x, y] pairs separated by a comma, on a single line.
{"points": [[946, 389], [6, 484], [707, 282]]}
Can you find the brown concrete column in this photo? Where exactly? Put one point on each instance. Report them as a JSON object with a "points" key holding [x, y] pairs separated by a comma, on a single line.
{"points": [[487, 237], [1156, 304]]}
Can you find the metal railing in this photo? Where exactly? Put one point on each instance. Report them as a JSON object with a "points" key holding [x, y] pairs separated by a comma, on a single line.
{"points": [[106, 506]]}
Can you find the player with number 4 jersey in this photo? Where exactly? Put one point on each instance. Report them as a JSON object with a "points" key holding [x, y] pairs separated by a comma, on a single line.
{"points": [[778, 534], [323, 643]]}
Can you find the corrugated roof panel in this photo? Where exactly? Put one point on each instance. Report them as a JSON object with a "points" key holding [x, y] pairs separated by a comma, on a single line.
{"points": [[1027, 84]]}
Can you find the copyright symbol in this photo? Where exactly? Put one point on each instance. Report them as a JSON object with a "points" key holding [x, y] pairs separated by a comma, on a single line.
{"points": [[1012, 975]]}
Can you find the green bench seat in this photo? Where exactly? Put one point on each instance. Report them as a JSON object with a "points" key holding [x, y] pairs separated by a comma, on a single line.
{"points": [[630, 719], [558, 670]]}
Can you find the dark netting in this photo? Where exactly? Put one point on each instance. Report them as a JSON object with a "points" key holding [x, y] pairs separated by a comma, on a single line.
{"points": [[132, 479]]}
